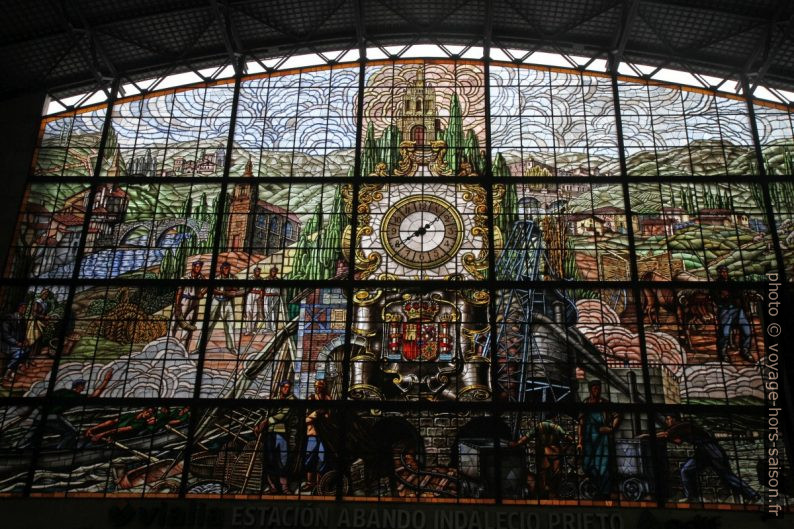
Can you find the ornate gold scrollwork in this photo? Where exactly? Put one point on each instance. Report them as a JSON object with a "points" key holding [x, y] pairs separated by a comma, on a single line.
{"points": [[438, 165], [368, 193], [454, 311], [477, 297], [380, 170], [363, 298], [476, 265], [407, 165]]}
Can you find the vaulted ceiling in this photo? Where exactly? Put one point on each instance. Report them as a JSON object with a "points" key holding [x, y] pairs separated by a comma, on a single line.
{"points": [[69, 46]]}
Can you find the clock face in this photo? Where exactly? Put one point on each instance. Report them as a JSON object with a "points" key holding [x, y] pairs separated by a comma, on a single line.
{"points": [[422, 231]]}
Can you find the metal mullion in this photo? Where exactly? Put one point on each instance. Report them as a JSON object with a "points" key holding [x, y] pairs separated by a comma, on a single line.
{"points": [[204, 337], [648, 407], [487, 183], [330, 88], [718, 115], [296, 117], [686, 131], [350, 283], [786, 298], [38, 434], [142, 98]]}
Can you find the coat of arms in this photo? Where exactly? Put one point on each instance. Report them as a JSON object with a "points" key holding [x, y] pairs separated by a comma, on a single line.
{"points": [[420, 329]]}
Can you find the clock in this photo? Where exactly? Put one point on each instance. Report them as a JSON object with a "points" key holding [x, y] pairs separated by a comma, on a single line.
{"points": [[421, 231]]}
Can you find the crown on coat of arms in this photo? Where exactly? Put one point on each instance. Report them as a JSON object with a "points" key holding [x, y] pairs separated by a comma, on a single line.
{"points": [[421, 309]]}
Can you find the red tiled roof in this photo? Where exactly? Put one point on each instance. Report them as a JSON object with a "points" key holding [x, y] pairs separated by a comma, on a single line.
{"points": [[277, 210], [67, 219], [608, 210], [654, 221], [576, 217]]}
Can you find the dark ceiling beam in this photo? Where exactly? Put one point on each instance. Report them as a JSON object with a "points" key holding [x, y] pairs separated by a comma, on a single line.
{"points": [[488, 28], [724, 8], [112, 22], [670, 50], [436, 22], [553, 40], [267, 23], [543, 39], [521, 34], [622, 34], [304, 43], [295, 42], [74, 41], [75, 24], [180, 59], [718, 38], [223, 19], [755, 73], [765, 40], [361, 29], [145, 46]]}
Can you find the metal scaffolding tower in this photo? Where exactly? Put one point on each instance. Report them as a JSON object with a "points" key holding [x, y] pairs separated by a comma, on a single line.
{"points": [[521, 370]]}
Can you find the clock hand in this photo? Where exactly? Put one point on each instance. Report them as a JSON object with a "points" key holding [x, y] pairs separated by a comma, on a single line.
{"points": [[421, 231]]}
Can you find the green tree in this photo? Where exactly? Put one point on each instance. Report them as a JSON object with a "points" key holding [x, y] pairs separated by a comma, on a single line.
{"points": [[510, 200], [370, 154], [167, 265], [202, 210], [389, 148], [500, 168], [471, 150], [306, 241], [221, 217], [320, 242], [454, 135], [329, 241]]}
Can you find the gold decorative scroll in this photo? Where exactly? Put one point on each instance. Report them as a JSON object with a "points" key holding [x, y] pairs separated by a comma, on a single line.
{"points": [[367, 194], [407, 165], [438, 166], [476, 265]]}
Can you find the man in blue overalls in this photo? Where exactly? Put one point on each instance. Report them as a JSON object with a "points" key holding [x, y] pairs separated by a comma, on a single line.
{"points": [[730, 314], [708, 453]]}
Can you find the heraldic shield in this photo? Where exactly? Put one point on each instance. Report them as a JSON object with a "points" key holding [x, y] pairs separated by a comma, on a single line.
{"points": [[419, 344], [421, 329]]}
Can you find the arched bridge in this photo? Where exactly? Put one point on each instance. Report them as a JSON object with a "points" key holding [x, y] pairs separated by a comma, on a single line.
{"points": [[157, 229]]}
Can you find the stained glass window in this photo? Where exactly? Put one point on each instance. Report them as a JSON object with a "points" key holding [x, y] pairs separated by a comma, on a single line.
{"points": [[443, 280]]}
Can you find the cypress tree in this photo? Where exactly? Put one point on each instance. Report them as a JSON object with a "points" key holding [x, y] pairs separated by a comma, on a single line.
{"points": [[301, 259], [454, 135], [510, 200], [389, 148], [202, 210], [224, 220], [186, 213], [472, 152], [167, 265], [500, 167], [368, 159], [331, 237]]}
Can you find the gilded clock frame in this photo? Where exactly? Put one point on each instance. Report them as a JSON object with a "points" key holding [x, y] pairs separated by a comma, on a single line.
{"points": [[394, 254]]}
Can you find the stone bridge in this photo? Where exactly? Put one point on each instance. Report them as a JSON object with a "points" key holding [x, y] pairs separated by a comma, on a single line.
{"points": [[157, 229]]}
